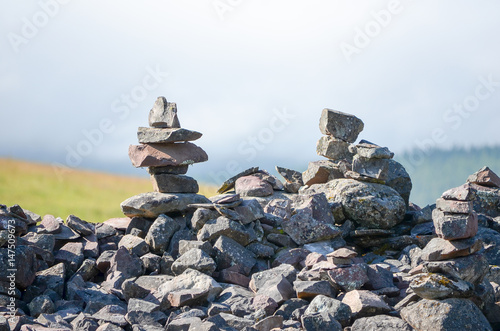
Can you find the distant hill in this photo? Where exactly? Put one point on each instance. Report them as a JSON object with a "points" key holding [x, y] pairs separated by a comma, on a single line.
{"points": [[92, 196], [436, 170]]}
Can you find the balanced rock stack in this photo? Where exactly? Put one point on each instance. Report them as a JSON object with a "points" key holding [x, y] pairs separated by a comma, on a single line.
{"points": [[166, 150]]}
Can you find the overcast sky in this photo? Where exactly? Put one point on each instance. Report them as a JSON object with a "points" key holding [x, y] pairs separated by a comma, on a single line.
{"points": [[78, 77]]}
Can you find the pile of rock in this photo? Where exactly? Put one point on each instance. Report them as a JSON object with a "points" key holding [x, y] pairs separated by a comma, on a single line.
{"points": [[346, 254]]}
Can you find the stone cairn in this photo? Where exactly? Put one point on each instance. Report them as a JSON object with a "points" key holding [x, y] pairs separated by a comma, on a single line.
{"points": [[336, 247]]}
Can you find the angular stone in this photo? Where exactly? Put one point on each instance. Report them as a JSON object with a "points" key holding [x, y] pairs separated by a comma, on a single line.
{"points": [[253, 186], [399, 180], [123, 265], [134, 244], [230, 253], [491, 240], [310, 289], [442, 315], [163, 114], [166, 135], [71, 254], [348, 278], [440, 249], [152, 204], [362, 178], [119, 223], [42, 240], [436, 286], [365, 303], [487, 200], [161, 155], [261, 250], [472, 268], [104, 261], [41, 305], [333, 148], [293, 179], [80, 226], [462, 193], [213, 229], [113, 314], [320, 321], [337, 309], [160, 233], [249, 210], [189, 288], [303, 229], [454, 206], [232, 275], [186, 245], [319, 172], [380, 322], [451, 226], [50, 224], [340, 125], [379, 277], [279, 289], [167, 183], [202, 216], [369, 205], [172, 170], [195, 259], [259, 279], [229, 183], [52, 278], [372, 151], [374, 168], [484, 177]]}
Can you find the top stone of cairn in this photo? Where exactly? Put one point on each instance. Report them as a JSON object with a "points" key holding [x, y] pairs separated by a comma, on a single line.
{"points": [[340, 125], [164, 114]]}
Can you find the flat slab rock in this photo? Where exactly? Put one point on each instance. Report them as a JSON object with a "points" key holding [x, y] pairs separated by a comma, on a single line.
{"points": [[152, 204], [166, 135], [160, 155], [440, 249]]}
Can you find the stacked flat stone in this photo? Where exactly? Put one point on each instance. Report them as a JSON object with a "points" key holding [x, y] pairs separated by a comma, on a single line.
{"points": [[453, 265], [370, 162], [166, 150]]}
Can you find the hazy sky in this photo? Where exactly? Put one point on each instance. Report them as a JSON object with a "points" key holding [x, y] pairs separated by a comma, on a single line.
{"points": [[78, 77]]}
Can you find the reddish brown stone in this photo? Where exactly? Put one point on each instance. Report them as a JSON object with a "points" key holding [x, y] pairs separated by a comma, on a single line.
{"points": [[50, 225], [314, 258], [462, 193], [454, 206], [440, 249], [161, 155], [253, 186], [119, 223], [484, 177], [349, 278], [451, 226], [232, 276]]}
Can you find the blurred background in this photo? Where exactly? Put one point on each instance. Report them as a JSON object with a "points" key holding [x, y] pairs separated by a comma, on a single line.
{"points": [[78, 77]]}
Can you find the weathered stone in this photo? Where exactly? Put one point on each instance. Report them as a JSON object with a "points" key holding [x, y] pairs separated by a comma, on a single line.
{"points": [[80, 226], [303, 229], [213, 229], [50, 224], [229, 183], [41, 305], [259, 279], [90, 246], [104, 261], [378, 277], [269, 323], [464, 192], [436, 286], [261, 250], [337, 309], [71, 254], [313, 258], [491, 240], [380, 322], [202, 216], [365, 303], [399, 180], [333, 148], [371, 151], [52, 278], [375, 168], [152, 204], [249, 210], [454, 206], [362, 178], [134, 245], [340, 125], [472, 268], [484, 177], [195, 259], [186, 245], [164, 114], [310, 289], [166, 135], [321, 172], [109, 327], [451, 226], [442, 315], [278, 288], [103, 230], [87, 270], [293, 179], [167, 183], [440, 249], [119, 223], [113, 314], [189, 288], [320, 321], [229, 253], [84, 322], [161, 155], [42, 240], [253, 186], [369, 205], [123, 265], [348, 278]]}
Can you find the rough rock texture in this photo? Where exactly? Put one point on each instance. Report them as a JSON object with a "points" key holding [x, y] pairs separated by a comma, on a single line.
{"points": [[369, 205], [168, 183], [380, 322], [449, 314], [340, 125], [164, 114], [161, 155], [166, 135]]}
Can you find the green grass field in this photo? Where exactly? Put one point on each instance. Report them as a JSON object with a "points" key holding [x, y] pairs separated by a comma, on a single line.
{"points": [[92, 196]]}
